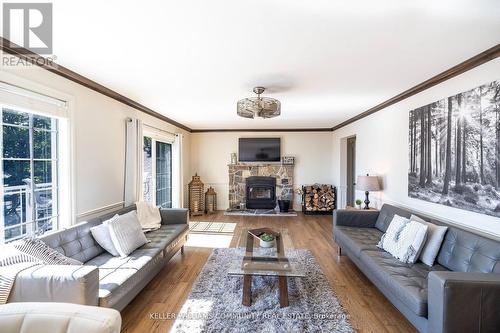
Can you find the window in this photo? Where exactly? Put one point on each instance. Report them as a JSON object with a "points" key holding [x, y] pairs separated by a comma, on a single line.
{"points": [[29, 150], [157, 175]]}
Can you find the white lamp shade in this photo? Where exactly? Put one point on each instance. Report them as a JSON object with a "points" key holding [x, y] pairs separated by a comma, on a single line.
{"points": [[368, 183]]}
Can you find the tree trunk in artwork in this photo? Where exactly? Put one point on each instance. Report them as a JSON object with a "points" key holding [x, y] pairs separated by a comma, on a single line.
{"points": [[422, 148], [447, 172], [458, 139], [429, 146], [497, 149], [481, 148], [411, 141], [436, 145], [464, 150]]}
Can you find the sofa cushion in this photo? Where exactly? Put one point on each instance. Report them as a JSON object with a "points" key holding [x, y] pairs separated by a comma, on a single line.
{"points": [[463, 251], [386, 215], [118, 276], [162, 237], [357, 239], [407, 282]]}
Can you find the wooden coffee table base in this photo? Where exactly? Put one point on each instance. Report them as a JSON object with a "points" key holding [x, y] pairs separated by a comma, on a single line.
{"points": [[247, 290]]}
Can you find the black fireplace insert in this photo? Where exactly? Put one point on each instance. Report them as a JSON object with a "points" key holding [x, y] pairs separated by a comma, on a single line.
{"points": [[260, 192]]}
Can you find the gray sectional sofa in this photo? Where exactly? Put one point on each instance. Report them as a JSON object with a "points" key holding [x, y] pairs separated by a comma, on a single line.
{"points": [[460, 293], [103, 280]]}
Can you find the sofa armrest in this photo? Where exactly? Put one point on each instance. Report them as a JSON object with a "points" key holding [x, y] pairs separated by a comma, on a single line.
{"points": [[174, 216], [57, 283], [463, 302], [34, 317], [355, 218]]}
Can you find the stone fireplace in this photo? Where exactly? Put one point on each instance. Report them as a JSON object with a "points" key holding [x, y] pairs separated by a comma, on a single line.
{"points": [[239, 173], [260, 192]]}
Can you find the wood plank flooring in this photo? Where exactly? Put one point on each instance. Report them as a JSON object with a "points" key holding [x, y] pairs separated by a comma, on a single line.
{"points": [[369, 310]]}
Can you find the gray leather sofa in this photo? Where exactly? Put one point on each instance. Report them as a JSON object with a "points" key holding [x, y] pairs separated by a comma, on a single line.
{"points": [[460, 293], [103, 280]]}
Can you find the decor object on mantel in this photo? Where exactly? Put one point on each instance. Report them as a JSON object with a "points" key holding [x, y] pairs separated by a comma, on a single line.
{"points": [[318, 199], [210, 201], [196, 196], [454, 147], [368, 183], [234, 158], [264, 107], [288, 160]]}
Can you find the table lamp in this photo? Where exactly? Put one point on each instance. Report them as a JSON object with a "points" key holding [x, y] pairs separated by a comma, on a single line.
{"points": [[367, 183]]}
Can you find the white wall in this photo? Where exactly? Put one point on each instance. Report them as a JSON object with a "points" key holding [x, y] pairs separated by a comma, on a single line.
{"points": [[211, 153], [99, 139], [382, 149]]}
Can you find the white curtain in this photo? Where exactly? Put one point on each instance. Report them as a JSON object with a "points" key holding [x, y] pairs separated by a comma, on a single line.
{"points": [[133, 161], [139, 161], [177, 187]]}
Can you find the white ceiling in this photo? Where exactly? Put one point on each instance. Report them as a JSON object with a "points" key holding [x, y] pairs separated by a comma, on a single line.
{"points": [[325, 60]]}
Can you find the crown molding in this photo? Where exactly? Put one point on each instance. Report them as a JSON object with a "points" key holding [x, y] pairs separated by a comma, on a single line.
{"points": [[219, 130]]}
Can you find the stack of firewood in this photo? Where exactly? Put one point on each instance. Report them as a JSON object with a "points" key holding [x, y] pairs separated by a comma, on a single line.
{"points": [[319, 198]]}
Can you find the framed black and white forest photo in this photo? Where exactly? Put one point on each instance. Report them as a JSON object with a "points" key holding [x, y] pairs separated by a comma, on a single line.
{"points": [[454, 150]]}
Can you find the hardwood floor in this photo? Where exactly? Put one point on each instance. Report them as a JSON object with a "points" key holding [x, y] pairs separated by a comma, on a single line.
{"points": [[369, 310]]}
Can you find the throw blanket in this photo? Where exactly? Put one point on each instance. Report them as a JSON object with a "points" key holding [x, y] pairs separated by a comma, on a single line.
{"points": [[148, 215], [12, 262]]}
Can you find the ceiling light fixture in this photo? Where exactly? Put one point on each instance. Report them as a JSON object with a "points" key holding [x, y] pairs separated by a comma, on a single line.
{"points": [[264, 107]]}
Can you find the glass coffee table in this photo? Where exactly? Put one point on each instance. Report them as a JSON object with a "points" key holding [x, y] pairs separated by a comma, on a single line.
{"points": [[265, 262]]}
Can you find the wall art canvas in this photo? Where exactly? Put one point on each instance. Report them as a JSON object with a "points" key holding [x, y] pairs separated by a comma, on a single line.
{"points": [[454, 151]]}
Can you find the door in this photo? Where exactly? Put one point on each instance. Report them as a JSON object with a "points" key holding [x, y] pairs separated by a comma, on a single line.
{"points": [[351, 171]]}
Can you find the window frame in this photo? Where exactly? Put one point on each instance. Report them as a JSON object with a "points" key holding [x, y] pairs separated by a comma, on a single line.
{"points": [[66, 176]]}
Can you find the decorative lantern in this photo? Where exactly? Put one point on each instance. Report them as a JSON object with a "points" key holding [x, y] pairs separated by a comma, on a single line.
{"points": [[210, 201], [196, 200]]}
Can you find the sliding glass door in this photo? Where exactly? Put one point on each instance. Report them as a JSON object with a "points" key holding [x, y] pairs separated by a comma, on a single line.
{"points": [[157, 176]]}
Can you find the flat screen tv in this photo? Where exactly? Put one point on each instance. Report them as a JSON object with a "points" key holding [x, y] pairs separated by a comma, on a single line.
{"points": [[259, 150]]}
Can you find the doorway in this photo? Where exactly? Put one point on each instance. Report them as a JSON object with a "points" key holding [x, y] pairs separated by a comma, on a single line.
{"points": [[351, 171]]}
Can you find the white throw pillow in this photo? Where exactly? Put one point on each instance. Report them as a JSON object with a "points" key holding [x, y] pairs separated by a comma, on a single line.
{"points": [[411, 242], [103, 238], [126, 233], [435, 237], [389, 240]]}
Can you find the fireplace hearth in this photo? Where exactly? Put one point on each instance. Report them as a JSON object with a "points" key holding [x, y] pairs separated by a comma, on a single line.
{"points": [[260, 192]]}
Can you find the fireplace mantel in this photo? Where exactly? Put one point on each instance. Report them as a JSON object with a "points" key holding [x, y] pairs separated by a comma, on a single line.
{"points": [[239, 172]]}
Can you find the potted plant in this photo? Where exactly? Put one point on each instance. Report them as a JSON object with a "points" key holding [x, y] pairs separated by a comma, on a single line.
{"points": [[266, 240], [358, 203]]}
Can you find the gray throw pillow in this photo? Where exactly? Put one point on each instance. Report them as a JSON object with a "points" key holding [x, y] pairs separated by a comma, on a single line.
{"points": [[38, 249], [435, 237], [103, 238]]}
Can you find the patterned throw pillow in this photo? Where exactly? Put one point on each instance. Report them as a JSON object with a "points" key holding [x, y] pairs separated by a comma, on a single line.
{"points": [[389, 241], [412, 240], [38, 249]]}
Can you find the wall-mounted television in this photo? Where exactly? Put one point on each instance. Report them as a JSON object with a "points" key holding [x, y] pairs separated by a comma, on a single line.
{"points": [[259, 150]]}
